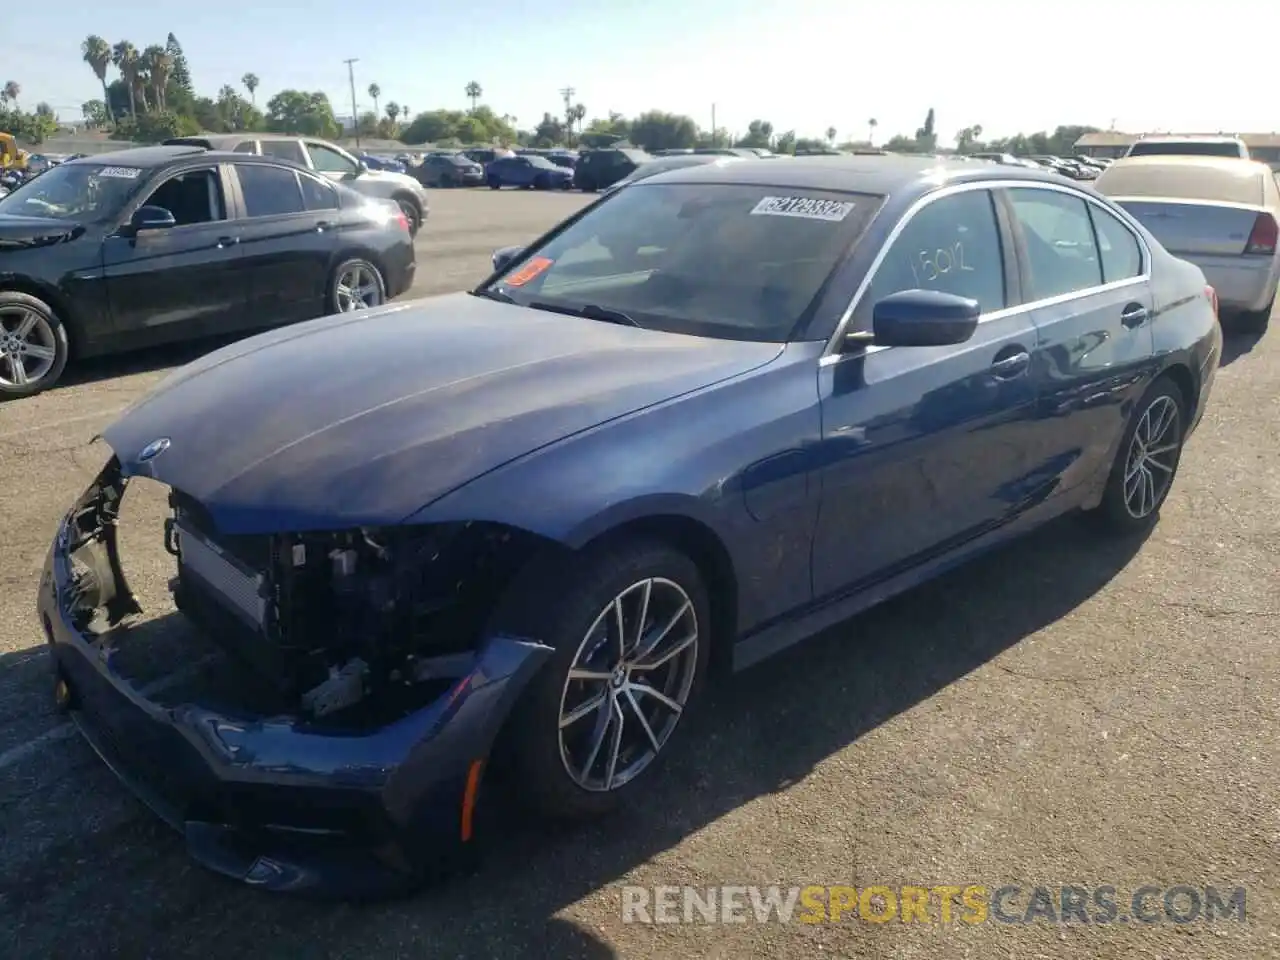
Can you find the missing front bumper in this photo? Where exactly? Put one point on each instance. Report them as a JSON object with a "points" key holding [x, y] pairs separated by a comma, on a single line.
{"points": [[274, 801]]}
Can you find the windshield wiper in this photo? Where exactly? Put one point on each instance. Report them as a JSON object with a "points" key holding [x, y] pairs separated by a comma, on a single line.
{"points": [[590, 311], [490, 294]]}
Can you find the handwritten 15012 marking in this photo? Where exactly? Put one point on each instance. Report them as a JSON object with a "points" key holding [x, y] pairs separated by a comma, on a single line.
{"points": [[942, 261]]}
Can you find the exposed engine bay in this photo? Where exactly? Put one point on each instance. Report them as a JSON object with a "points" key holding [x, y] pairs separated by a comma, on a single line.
{"points": [[333, 621]]}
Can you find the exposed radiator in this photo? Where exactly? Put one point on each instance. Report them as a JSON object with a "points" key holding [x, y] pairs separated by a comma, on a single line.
{"points": [[239, 588]]}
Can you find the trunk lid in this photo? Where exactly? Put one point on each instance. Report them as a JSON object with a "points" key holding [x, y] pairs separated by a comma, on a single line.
{"points": [[1195, 227]]}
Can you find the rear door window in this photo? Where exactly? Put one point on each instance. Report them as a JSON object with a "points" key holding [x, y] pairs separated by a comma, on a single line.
{"points": [[1117, 247], [1058, 235], [285, 150], [269, 191], [317, 194]]}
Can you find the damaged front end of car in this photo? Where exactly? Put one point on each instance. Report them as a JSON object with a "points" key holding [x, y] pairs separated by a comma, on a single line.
{"points": [[358, 771]]}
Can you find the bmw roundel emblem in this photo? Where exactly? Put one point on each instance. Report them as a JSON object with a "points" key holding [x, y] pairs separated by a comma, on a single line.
{"points": [[153, 449]]}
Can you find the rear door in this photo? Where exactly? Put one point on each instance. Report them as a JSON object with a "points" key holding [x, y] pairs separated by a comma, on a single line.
{"points": [[1086, 282], [183, 280], [927, 447], [287, 226]]}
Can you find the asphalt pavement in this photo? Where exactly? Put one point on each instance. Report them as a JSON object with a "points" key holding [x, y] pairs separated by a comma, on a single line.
{"points": [[1068, 710]]}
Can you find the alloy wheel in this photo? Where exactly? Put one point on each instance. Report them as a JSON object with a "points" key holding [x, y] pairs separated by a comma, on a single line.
{"points": [[358, 289], [1153, 456], [28, 347], [628, 684]]}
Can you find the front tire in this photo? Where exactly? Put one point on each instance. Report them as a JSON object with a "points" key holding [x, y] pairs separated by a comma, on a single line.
{"points": [[495, 183], [356, 285], [631, 630], [33, 345], [1146, 461]]}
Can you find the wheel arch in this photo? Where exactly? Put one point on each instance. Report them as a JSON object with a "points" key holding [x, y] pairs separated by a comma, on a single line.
{"points": [[1181, 376], [20, 283]]}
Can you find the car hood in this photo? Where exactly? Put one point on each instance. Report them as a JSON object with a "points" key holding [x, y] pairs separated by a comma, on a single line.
{"points": [[388, 176], [362, 420], [26, 232]]}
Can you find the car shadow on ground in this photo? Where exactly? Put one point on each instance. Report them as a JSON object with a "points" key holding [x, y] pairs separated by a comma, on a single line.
{"points": [[146, 360], [757, 733], [1235, 345]]}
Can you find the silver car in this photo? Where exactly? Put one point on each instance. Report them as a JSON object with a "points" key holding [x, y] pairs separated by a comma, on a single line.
{"points": [[1221, 214], [329, 160]]}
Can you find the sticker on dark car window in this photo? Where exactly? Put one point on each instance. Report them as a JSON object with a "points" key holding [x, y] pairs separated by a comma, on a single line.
{"points": [[121, 173], [529, 271], [805, 207]]}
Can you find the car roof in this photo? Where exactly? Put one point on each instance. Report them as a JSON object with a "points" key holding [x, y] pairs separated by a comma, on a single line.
{"points": [[1191, 139], [882, 175], [142, 156]]}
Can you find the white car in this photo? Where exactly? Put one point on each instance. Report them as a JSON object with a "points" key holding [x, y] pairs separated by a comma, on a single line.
{"points": [[1222, 214]]}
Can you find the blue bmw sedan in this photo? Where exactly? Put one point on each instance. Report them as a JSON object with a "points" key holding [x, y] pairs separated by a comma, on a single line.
{"points": [[514, 530], [534, 172]]}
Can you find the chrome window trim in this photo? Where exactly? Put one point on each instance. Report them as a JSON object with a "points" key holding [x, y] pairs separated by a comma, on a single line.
{"points": [[831, 352]]}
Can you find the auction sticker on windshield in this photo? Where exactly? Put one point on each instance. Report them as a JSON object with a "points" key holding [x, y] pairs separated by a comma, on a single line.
{"points": [[120, 173], [528, 272], [805, 207]]}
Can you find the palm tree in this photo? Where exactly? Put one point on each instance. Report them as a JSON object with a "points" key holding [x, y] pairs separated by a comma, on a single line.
{"points": [[11, 91], [375, 92], [159, 68], [250, 81], [871, 129], [97, 54], [474, 93], [393, 111], [404, 110], [125, 56], [576, 113], [831, 134]]}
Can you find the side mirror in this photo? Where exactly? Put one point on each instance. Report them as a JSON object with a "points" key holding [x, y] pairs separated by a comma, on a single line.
{"points": [[151, 218], [923, 318], [503, 257]]}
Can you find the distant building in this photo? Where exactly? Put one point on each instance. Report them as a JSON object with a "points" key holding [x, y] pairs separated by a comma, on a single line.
{"points": [[1112, 143]]}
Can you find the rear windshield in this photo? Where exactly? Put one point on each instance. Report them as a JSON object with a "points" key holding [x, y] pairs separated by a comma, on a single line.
{"points": [[735, 261], [1226, 182], [79, 191], [1184, 148]]}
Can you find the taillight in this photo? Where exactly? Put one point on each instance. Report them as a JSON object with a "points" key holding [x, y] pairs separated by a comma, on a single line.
{"points": [[1262, 239], [1212, 296], [402, 220]]}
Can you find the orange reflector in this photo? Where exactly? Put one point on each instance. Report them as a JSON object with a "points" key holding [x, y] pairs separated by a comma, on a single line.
{"points": [[469, 798]]}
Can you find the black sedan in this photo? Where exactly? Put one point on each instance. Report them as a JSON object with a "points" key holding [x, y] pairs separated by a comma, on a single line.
{"points": [[161, 244], [448, 170]]}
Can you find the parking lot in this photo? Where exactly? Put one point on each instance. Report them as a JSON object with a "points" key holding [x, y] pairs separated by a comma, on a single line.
{"points": [[1067, 711]]}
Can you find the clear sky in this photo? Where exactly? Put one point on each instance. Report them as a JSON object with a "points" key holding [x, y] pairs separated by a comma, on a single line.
{"points": [[802, 64]]}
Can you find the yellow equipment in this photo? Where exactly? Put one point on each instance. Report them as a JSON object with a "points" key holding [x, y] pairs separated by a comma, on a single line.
{"points": [[11, 157]]}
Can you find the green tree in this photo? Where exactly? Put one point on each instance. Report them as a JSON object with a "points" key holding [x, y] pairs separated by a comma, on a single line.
{"points": [[375, 92], [759, 135], [11, 90], [430, 127], [159, 67], [658, 130], [180, 74], [968, 139], [549, 131], [831, 135], [786, 142], [97, 54], [250, 81], [95, 114], [474, 93], [125, 56], [300, 113], [393, 111], [926, 136], [871, 129]]}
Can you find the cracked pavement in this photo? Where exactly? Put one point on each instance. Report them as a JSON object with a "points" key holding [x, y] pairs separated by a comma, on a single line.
{"points": [[1068, 710]]}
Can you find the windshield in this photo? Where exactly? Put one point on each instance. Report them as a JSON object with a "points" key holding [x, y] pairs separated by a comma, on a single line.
{"points": [[1185, 148], [738, 261], [540, 161], [87, 192]]}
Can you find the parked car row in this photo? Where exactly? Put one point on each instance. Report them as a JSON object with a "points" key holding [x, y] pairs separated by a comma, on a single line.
{"points": [[721, 410]]}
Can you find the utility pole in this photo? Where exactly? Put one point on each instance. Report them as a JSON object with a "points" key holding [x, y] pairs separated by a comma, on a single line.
{"points": [[715, 139], [355, 119], [567, 93]]}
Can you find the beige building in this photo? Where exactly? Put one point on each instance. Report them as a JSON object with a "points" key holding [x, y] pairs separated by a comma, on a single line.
{"points": [[1112, 143]]}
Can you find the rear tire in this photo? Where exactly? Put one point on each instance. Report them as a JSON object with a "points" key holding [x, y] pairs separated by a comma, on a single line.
{"points": [[542, 182], [566, 766], [1146, 462], [33, 345], [412, 213], [356, 280]]}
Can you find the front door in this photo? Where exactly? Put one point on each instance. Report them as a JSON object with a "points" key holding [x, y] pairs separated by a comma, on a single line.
{"points": [[925, 447], [289, 219], [178, 281], [1086, 282]]}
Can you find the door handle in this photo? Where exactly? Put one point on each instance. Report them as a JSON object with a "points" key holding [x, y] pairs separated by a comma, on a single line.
{"points": [[1011, 366], [323, 225], [224, 242], [1134, 315]]}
